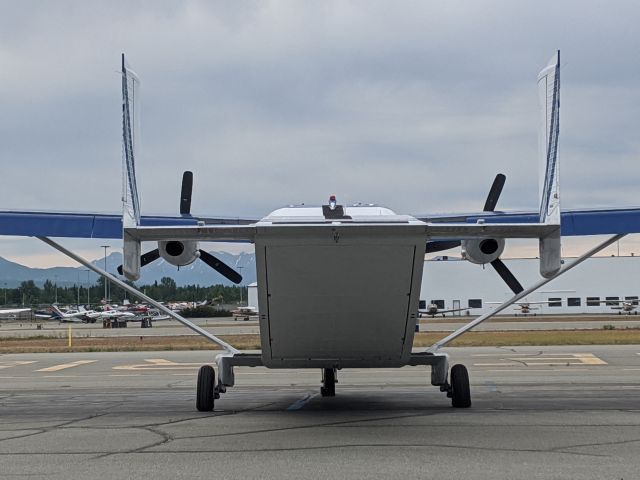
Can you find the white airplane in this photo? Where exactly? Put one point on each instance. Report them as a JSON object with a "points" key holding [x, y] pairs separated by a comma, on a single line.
{"points": [[433, 310], [244, 312], [338, 285], [626, 307], [74, 316], [13, 311], [524, 308]]}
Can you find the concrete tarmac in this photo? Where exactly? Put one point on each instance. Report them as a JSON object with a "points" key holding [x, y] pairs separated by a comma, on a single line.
{"points": [[538, 412], [230, 327]]}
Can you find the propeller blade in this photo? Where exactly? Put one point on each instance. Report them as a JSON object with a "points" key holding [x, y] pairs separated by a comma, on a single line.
{"points": [[145, 259], [439, 245], [185, 193], [507, 276], [494, 193], [220, 267]]}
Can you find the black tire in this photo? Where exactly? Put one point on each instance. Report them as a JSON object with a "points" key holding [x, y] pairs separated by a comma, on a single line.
{"points": [[329, 380], [460, 391], [204, 392]]}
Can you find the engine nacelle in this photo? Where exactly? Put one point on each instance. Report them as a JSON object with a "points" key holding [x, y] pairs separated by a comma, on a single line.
{"points": [[482, 251], [179, 253]]}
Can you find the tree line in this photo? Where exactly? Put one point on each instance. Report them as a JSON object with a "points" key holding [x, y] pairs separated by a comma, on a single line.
{"points": [[29, 294]]}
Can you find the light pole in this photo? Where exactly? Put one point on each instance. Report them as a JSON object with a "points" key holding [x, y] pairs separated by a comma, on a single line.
{"points": [[105, 269], [240, 268], [88, 289], [5, 293], [55, 277], [78, 288]]}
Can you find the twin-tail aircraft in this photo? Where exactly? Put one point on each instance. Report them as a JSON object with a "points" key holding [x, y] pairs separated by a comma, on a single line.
{"points": [[309, 258]]}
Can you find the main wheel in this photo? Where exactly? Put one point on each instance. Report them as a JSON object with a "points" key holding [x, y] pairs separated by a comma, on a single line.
{"points": [[328, 388], [204, 392], [460, 391]]}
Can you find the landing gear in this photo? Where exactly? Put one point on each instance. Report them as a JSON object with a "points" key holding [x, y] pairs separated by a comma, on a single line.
{"points": [[205, 390], [328, 388], [459, 390]]}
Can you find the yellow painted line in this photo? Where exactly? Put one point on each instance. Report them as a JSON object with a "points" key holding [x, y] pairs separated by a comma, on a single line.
{"points": [[17, 363], [64, 366]]}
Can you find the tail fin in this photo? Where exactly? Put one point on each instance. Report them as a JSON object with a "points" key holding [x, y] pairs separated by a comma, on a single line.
{"points": [[57, 311], [130, 201], [549, 188]]}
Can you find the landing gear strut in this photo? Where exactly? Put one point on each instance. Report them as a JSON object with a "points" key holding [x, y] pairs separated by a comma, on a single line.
{"points": [[328, 388], [205, 390]]}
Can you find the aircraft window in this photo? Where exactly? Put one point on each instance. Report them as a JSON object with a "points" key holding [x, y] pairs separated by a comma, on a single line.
{"points": [[422, 305], [555, 302], [475, 303], [633, 300], [438, 303], [573, 302], [612, 301], [593, 301]]}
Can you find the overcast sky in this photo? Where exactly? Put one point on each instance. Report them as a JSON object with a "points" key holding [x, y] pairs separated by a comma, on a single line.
{"points": [[414, 105]]}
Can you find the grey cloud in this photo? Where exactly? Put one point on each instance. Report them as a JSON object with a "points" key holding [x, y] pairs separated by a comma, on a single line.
{"points": [[416, 105]]}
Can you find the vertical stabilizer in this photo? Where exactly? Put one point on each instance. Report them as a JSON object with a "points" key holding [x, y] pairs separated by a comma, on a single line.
{"points": [[130, 201], [549, 190]]}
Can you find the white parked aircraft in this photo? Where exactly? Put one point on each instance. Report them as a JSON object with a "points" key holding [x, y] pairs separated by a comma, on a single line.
{"points": [[432, 310], [338, 285], [13, 311], [74, 316]]}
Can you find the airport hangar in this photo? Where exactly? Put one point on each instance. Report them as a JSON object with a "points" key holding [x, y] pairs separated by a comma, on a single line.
{"points": [[594, 287]]}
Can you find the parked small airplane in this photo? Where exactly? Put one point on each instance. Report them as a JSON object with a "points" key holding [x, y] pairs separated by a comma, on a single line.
{"points": [[73, 316], [624, 306], [433, 310], [244, 313], [338, 285], [524, 308]]}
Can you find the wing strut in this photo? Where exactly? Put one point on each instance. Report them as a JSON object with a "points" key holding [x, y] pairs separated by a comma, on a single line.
{"points": [[441, 343], [139, 294]]}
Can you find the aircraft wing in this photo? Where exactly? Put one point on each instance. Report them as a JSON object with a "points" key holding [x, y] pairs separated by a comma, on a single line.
{"points": [[10, 311], [603, 221], [92, 225]]}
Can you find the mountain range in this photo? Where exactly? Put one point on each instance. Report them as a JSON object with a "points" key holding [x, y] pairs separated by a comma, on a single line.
{"points": [[198, 273]]}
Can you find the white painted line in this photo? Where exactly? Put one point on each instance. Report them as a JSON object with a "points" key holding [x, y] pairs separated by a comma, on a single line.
{"points": [[298, 404], [159, 364], [17, 363], [64, 366]]}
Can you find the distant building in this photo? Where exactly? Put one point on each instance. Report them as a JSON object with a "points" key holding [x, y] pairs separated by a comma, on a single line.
{"points": [[252, 295], [594, 286]]}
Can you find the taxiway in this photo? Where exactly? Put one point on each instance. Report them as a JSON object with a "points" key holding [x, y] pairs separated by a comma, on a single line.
{"points": [[538, 412]]}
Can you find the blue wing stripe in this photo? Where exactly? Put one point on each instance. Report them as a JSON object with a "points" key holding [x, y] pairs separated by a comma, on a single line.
{"points": [[88, 225]]}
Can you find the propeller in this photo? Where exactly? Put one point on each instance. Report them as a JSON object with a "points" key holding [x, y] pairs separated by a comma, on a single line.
{"points": [[220, 267], [145, 258], [185, 210], [498, 265], [489, 206], [507, 276], [185, 193]]}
